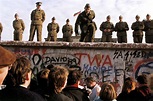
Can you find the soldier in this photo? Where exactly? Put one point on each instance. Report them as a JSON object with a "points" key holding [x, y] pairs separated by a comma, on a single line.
{"points": [[37, 18], [19, 27], [53, 29], [86, 24], [138, 27], [107, 28], [148, 28], [1, 29], [121, 28], [67, 31]]}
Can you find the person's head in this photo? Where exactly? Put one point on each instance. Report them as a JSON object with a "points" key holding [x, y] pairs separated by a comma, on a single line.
{"points": [[120, 18], [6, 61], [150, 82], [38, 5], [21, 71], [16, 16], [137, 17], [50, 66], [87, 8], [108, 18], [90, 82], [42, 78], [107, 92], [74, 77], [128, 86], [67, 21], [58, 78], [148, 17], [53, 19], [142, 80]]}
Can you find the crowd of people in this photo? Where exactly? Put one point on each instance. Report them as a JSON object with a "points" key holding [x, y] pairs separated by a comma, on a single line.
{"points": [[85, 23], [58, 83]]}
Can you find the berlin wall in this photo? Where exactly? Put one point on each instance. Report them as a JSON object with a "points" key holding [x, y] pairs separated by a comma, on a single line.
{"points": [[107, 62]]}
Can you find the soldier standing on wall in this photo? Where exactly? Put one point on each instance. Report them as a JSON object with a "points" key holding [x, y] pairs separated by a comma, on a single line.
{"points": [[1, 29], [107, 28], [37, 18], [53, 29], [148, 28], [86, 24], [121, 28], [138, 27], [19, 27], [67, 31]]}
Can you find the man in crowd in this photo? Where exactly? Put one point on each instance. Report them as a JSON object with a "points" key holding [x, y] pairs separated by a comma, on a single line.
{"points": [[67, 31], [37, 18], [53, 29], [19, 27], [85, 21], [107, 28], [121, 28], [138, 27]]}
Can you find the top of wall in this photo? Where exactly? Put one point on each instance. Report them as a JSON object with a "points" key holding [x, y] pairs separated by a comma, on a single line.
{"points": [[82, 45]]}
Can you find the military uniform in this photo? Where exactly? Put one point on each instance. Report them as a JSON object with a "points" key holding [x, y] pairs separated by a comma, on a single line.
{"points": [[67, 31], [1, 29], [107, 35], [121, 28], [53, 29], [37, 18], [19, 27], [148, 28], [138, 27], [86, 24]]}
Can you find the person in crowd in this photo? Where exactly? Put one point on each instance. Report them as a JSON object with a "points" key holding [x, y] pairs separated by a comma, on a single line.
{"points": [[6, 61], [107, 93], [67, 31], [148, 28], [53, 29], [121, 27], [72, 89], [57, 82], [95, 88], [19, 27], [150, 85], [142, 92], [138, 27], [128, 86], [37, 19], [107, 28], [21, 77], [86, 24]]}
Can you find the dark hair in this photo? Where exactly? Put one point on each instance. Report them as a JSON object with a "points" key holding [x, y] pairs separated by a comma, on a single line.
{"points": [[128, 85], [90, 79], [73, 77], [57, 78], [142, 79], [107, 92]]}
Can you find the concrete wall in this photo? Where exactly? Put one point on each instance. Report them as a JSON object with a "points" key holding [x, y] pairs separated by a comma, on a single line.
{"points": [[110, 62]]}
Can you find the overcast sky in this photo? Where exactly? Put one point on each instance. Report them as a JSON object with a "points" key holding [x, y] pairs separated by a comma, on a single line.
{"points": [[63, 9]]}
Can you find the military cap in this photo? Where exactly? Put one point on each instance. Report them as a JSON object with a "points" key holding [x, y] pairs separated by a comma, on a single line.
{"points": [[7, 57], [108, 16], [148, 15], [120, 16], [38, 3], [87, 5], [53, 18], [67, 20], [137, 16], [16, 14]]}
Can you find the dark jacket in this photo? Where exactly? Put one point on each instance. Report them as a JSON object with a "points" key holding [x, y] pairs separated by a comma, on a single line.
{"points": [[123, 96], [76, 94], [19, 94]]}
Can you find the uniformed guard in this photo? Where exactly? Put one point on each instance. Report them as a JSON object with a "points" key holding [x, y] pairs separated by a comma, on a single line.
{"points": [[37, 18], [148, 28], [85, 22], [67, 31], [19, 27], [138, 27], [121, 28], [53, 29], [107, 28], [1, 29]]}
